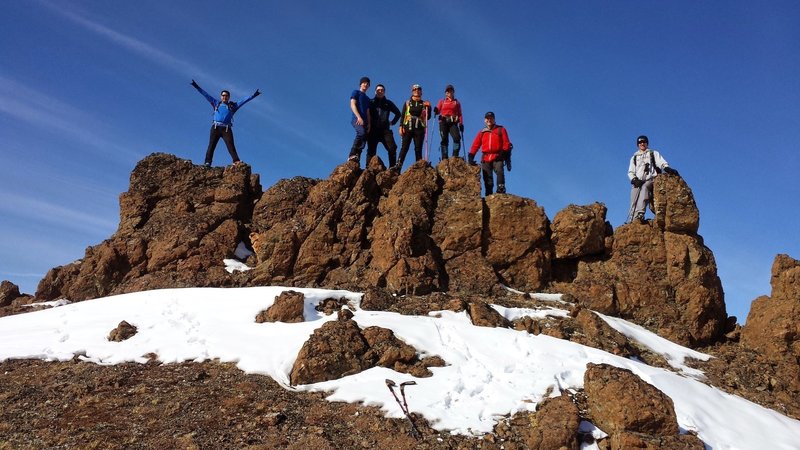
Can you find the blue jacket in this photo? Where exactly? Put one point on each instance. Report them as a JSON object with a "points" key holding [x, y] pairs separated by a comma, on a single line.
{"points": [[223, 112]]}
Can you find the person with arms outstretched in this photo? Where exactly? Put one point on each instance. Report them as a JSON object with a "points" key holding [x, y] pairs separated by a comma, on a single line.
{"points": [[222, 124]]}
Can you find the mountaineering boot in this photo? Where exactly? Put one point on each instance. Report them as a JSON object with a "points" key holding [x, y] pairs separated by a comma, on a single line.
{"points": [[443, 148], [207, 165], [501, 188], [639, 217]]}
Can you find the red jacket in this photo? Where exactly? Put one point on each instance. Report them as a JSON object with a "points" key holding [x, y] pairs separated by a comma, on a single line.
{"points": [[493, 143], [450, 108]]}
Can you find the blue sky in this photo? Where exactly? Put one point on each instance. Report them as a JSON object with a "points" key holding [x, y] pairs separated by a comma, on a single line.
{"points": [[91, 87]]}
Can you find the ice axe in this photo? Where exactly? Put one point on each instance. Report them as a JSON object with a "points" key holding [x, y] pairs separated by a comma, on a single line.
{"points": [[404, 405]]}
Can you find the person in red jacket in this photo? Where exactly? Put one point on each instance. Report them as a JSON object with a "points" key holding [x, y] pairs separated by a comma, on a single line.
{"points": [[495, 148], [451, 122]]}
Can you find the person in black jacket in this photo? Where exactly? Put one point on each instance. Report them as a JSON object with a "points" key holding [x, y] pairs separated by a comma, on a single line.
{"points": [[381, 130]]}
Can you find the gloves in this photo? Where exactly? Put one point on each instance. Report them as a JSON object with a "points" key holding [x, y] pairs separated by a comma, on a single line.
{"points": [[195, 85], [472, 160], [637, 182], [435, 110], [257, 93], [508, 164], [671, 171], [461, 127]]}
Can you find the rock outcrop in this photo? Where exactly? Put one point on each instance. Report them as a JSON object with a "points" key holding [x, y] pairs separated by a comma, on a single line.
{"points": [[658, 274], [773, 325], [178, 221], [426, 230]]}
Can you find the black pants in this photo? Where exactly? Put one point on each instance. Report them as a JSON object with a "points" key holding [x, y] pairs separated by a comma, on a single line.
{"points": [[495, 166], [386, 137], [226, 133], [418, 135], [446, 129]]}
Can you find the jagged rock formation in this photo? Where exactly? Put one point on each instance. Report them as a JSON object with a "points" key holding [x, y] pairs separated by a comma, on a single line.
{"points": [[658, 274], [773, 324], [177, 222], [424, 231]]}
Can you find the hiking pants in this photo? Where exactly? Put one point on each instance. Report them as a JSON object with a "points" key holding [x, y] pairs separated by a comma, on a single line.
{"points": [[495, 166], [360, 140], [640, 197], [418, 135], [226, 133], [387, 138], [446, 129]]}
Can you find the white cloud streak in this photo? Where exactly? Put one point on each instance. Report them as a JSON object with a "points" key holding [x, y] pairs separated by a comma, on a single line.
{"points": [[185, 68], [31, 106], [34, 210]]}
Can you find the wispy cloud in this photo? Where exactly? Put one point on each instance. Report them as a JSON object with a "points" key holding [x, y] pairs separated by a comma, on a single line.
{"points": [[41, 110], [188, 70], [35, 210], [139, 47]]}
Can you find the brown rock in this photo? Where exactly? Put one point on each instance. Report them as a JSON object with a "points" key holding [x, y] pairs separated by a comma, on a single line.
{"points": [[483, 315], [178, 222], [595, 332], [123, 331], [288, 308], [516, 241], [554, 426], [579, 231], [8, 293], [377, 299], [339, 348], [402, 249], [773, 324], [627, 440], [620, 401], [676, 210], [334, 350]]}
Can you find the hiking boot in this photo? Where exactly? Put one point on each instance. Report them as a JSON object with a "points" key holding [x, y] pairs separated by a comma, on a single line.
{"points": [[639, 218], [207, 165], [501, 188], [353, 158]]}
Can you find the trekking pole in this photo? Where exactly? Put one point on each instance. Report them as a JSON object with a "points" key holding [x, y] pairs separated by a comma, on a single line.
{"points": [[404, 406], [633, 205]]}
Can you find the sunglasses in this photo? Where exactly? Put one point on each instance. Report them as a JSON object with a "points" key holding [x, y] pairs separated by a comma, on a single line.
{"points": [[642, 142]]}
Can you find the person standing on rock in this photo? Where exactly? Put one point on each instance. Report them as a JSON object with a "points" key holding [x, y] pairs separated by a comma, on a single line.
{"points": [[644, 165], [222, 125], [381, 129], [359, 105], [416, 112], [451, 121], [495, 148]]}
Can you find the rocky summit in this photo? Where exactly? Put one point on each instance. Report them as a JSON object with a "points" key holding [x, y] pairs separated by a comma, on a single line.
{"points": [[421, 241]]}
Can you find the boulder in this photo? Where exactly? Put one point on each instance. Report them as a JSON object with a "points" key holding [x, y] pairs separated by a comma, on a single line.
{"points": [[676, 210], [516, 241], [288, 308], [8, 293], [554, 425], [579, 231], [619, 401], [122, 332], [340, 348]]}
